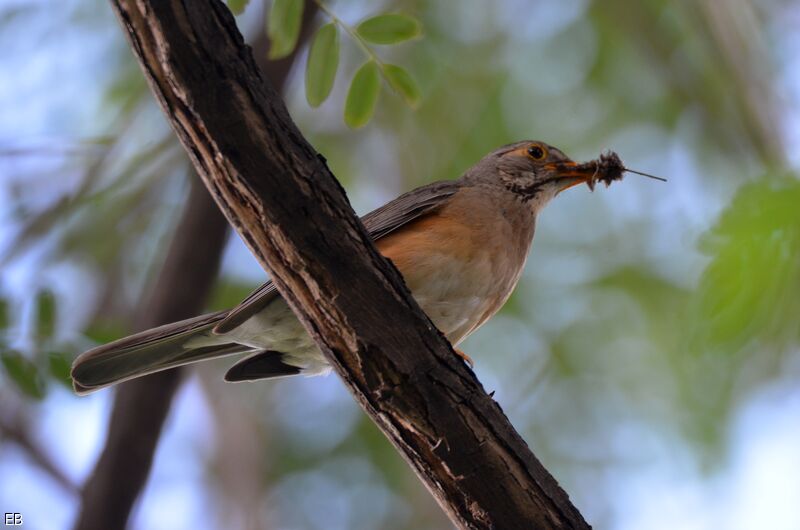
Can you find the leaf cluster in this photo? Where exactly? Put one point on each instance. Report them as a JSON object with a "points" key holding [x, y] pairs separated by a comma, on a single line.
{"points": [[283, 28]]}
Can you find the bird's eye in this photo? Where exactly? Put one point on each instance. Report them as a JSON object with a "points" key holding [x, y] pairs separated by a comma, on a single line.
{"points": [[536, 152]]}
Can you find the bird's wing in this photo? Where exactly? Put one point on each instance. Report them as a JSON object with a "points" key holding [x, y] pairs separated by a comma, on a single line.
{"points": [[379, 223], [408, 207]]}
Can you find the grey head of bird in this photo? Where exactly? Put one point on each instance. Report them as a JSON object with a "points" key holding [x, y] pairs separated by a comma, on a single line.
{"points": [[536, 172]]}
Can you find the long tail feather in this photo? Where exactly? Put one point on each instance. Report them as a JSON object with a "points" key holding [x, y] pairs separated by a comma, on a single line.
{"points": [[150, 351]]}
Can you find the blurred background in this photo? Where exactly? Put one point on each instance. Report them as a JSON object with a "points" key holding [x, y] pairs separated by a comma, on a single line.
{"points": [[650, 355]]}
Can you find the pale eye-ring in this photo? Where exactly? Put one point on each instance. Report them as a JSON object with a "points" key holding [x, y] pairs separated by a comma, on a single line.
{"points": [[536, 152]]}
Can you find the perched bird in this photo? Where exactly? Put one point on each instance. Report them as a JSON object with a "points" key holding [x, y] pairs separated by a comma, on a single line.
{"points": [[460, 246]]}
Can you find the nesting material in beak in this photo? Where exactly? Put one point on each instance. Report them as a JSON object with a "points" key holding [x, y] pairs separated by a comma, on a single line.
{"points": [[607, 168]]}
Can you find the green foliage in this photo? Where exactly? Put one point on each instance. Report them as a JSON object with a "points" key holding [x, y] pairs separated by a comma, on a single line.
{"points": [[45, 315], [749, 290], [22, 371], [228, 293], [237, 6], [362, 96], [58, 366], [323, 60], [102, 331], [402, 82], [47, 359], [4, 322], [389, 29], [283, 27]]}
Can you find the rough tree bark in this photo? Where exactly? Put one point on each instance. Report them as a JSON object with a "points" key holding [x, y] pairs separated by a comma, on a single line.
{"points": [[280, 196], [180, 291]]}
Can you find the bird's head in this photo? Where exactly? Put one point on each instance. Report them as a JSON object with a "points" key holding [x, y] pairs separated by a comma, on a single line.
{"points": [[537, 172]]}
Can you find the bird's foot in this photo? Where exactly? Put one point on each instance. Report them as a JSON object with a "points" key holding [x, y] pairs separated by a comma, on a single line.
{"points": [[467, 359]]}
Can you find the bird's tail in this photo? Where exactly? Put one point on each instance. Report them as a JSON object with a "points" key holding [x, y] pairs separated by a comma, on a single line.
{"points": [[157, 349]]}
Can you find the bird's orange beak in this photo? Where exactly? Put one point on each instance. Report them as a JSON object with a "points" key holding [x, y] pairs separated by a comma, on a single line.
{"points": [[569, 173]]}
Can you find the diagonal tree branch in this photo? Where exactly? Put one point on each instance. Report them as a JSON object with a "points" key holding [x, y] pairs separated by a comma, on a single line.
{"points": [[290, 210]]}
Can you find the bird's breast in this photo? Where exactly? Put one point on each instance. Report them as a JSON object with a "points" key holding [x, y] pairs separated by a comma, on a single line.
{"points": [[460, 268]]}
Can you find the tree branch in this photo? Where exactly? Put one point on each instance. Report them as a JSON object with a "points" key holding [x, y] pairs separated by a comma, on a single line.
{"points": [[290, 210], [141, 406]]}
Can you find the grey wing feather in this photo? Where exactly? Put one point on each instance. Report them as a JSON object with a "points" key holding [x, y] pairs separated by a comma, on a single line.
{"points": [[379, 223], [255, 302], [407, 207]]}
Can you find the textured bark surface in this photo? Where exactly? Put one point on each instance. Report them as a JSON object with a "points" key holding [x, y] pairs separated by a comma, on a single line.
{"points": [[290, 210]]}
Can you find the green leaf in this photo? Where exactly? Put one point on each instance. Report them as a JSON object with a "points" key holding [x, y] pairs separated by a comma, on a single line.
{"points": [[45, 315], [24, 374], [402, 82], [104, 331], [227, 293], [283, 27], [389, 29], [323, 60], [362, 95], [59, 366], [4, 323], [237, 6], [748, 292]]}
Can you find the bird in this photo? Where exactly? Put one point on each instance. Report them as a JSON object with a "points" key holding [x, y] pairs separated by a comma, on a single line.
{"points": [[460, 246]]}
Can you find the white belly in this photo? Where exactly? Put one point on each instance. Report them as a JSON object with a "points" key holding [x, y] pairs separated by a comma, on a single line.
{"points": [[277, 328], [456, 306], [454, 294]]}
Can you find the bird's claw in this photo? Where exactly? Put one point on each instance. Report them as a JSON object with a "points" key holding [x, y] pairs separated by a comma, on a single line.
{"points": [[466, 358]]}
